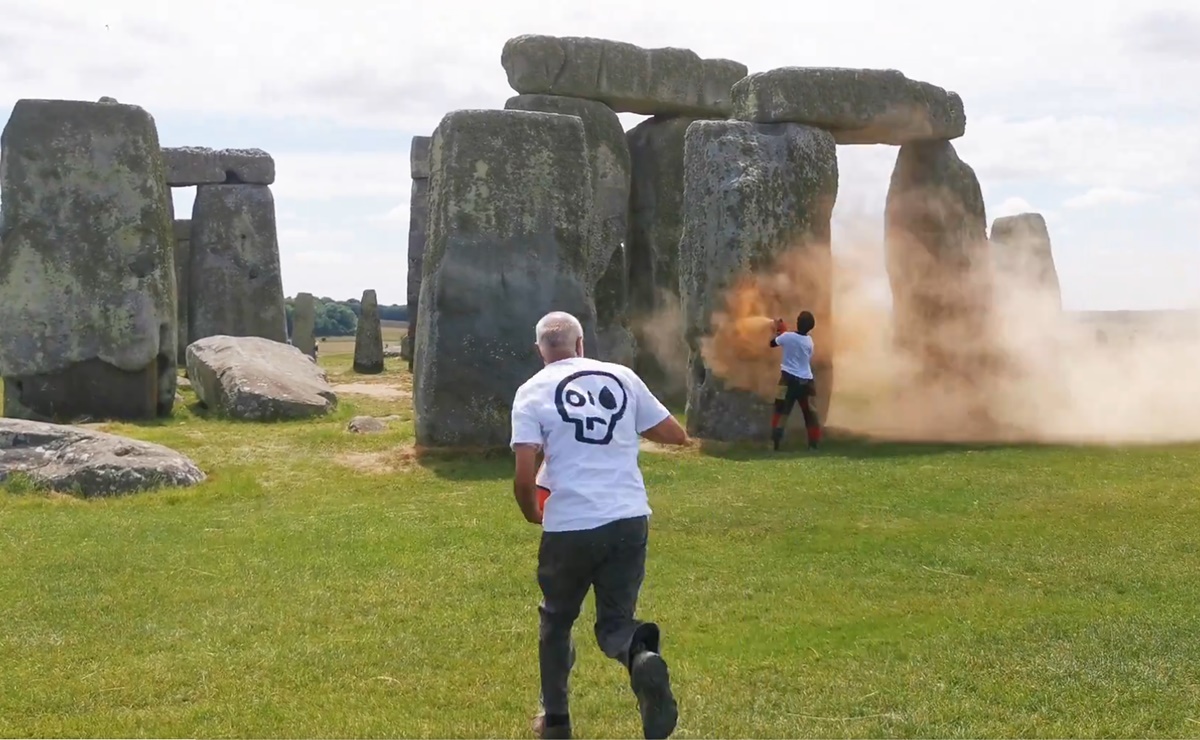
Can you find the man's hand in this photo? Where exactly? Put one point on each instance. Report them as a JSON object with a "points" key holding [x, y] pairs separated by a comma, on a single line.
{"points": [[780, 327], [525, 482]]}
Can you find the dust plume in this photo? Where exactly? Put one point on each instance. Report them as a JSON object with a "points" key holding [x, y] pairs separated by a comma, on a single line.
{"points": [[1056, 377], [663, 356]]}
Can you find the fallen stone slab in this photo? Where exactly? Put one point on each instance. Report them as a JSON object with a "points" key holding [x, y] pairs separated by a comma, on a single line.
{"points": [[859, 106], [630, 79], [200, 165], [257, 379], [71, 459], [367, 425]]}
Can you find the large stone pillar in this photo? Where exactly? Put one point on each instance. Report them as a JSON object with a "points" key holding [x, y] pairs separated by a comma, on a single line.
{"points": [[234, 282], [939, 267], [418, 227], [183, 256], [752, 193], [510, 208], [608, 156], [87, 275], [652, 250]]}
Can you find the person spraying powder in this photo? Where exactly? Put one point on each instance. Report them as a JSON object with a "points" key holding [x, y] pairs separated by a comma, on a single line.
{"points": [[795, 379]]}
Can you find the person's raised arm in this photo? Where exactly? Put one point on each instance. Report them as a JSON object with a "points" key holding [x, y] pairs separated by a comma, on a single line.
{"points": [[780, 327]]}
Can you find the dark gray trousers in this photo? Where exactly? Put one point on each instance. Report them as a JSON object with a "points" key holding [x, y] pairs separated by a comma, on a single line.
{"points": [[611, 560]]}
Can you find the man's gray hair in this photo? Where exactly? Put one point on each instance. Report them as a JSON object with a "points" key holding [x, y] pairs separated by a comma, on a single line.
{"points": [[558, 330]]}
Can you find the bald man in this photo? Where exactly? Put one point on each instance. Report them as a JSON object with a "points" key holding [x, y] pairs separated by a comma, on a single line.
{"points": [[585, 418]]}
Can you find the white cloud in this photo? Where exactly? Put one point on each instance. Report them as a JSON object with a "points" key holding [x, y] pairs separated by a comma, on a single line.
{"points": [[1098, 197], [307, 176], [318, 257], [397, 216]]}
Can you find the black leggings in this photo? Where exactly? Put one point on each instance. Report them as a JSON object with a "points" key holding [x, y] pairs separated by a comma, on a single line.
{"points": [[793, 390]]}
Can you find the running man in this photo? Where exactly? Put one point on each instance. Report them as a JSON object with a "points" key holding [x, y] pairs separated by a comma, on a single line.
{"points": [[585, 417], [795, 379]]}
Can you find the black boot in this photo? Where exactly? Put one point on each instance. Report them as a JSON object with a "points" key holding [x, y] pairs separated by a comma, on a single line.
{"points": [[651, 684], [777, 437]]}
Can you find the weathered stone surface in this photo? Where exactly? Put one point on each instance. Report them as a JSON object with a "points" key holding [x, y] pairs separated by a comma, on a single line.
{"points": [[234, 280], [608, 154], [418, 230], [628, 78], [860, 106], [939, 263], [304, 322], [418, 164], [652, 254], [71, 459], [183, 257], [249, 166], [774, 186], [366, 425], [509, 212], [201, 165], [192, 165], [86, 263], [1022, 255], [256, 379], [368, 339]]}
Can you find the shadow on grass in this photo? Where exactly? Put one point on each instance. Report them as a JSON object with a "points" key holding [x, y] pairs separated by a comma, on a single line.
{"points": [[849, 447], [489, 464]]}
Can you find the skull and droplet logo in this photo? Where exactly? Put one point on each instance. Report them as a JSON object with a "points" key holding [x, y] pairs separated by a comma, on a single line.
{"points": [[593, 401]]}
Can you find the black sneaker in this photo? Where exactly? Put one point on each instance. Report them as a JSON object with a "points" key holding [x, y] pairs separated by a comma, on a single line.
{"points": [[651, 684]]}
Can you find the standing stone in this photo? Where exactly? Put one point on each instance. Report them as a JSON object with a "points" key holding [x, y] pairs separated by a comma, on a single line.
{"points": [[860, 106], [418, 157], [1021, 254], [608, 155], [304, 322], [183, 257], [939, 264], [418, 226], [368, 339], [234, 280], [652, 255], [87, 275], [630, 79], [509, 212], [752, 192]]}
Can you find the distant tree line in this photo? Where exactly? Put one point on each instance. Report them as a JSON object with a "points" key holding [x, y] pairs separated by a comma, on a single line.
{"points": [[340, 318]]}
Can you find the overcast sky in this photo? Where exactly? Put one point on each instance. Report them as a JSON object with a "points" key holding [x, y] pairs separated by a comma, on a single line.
{"points": [[1086, 112]]}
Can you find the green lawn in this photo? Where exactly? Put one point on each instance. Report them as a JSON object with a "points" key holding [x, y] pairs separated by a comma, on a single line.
{"points": [[323, 584]]}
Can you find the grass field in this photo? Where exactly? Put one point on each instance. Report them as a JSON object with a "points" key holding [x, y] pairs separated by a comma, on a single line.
{"points": [[324, 584]]}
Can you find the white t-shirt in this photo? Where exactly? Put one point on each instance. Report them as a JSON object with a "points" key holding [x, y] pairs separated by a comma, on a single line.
{"points": [[587, 416], [797, 354]]}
